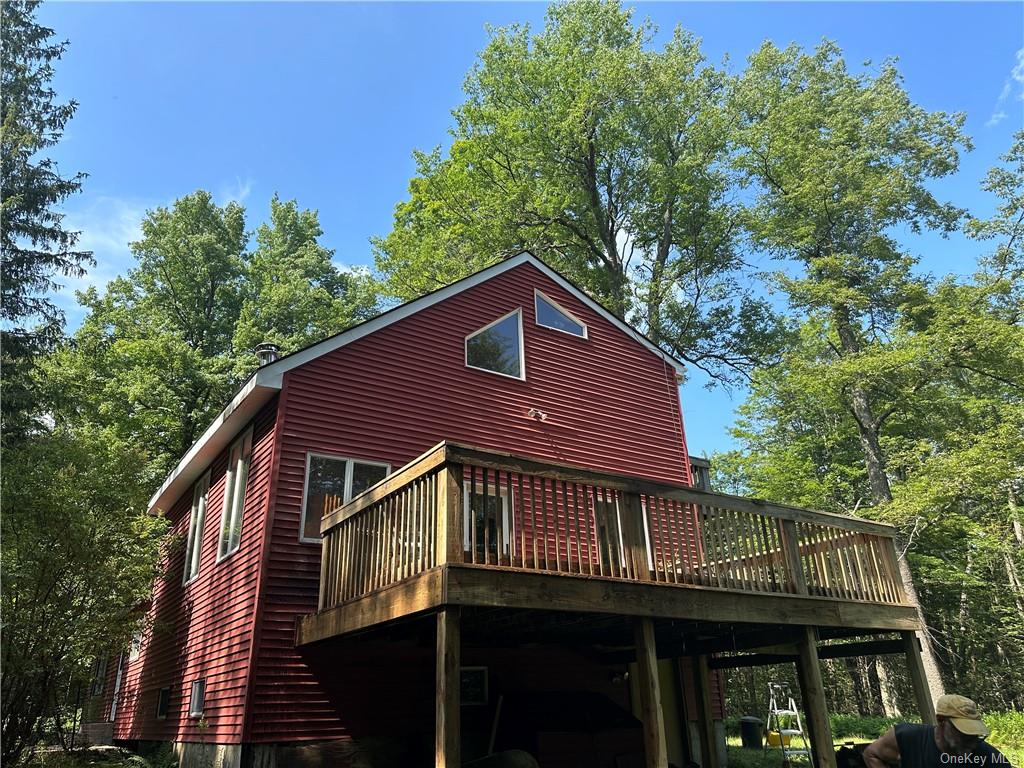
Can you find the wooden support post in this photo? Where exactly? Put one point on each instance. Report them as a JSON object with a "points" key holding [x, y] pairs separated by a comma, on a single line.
{"points": [[918, 679], [822, 752], [705, 716], [449, 514], [655, 749], [635, 539], [447, 726], [791, 558]]}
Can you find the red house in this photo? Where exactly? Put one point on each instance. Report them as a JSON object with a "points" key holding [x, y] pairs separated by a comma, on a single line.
{"points": [[467, 527]]}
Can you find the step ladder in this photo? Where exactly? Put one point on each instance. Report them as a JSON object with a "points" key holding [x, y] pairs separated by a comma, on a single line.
{"points": [[784, 719]]}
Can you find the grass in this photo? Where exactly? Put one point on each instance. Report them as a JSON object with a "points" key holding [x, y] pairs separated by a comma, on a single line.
{"points": [[99, 757]]}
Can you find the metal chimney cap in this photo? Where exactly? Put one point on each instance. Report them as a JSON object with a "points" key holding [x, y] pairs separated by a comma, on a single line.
{"points": [[267, 352]]}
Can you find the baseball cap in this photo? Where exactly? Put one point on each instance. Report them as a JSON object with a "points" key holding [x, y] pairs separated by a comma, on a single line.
{"points": [[963, 713]]}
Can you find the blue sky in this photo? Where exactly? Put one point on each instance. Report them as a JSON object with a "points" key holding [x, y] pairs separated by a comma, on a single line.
{"points": [[324, 103]]}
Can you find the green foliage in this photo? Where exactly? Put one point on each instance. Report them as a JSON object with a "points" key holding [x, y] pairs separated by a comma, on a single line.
{"points": [[162, 349], [606, 157], [1006, 728], [863, 728], [34, 246], [293, 295], [79, 558], [946, 390], [164, 757]]}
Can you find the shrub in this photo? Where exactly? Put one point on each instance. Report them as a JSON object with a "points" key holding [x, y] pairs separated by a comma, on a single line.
{"points": [[1007, 728]]}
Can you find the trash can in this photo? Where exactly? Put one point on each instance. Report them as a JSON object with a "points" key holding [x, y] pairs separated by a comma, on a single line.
{"points": [[750, 732]]}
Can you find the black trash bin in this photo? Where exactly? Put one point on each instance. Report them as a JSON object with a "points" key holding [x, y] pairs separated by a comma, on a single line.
{"points": [[750, 732]]}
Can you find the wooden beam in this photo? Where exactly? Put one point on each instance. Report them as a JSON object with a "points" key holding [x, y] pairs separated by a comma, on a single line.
{"points": [[750, 660], [417, 594], [449, 514], [918, 679], [766, 656], [447, 725], [507, 588], [791, 557], [809, 671], [705, 715], [865, 648], [655, 749]]}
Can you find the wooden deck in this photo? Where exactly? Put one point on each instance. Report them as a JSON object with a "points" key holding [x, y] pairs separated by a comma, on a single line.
{"points": [[461, 526]]}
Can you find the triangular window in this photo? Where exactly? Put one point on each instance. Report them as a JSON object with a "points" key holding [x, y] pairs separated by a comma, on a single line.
{"points": [[498, 347], [550, 315]]}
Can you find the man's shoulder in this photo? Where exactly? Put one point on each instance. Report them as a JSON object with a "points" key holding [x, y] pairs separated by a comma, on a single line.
{"points": [[995, 758], [913, 729]]}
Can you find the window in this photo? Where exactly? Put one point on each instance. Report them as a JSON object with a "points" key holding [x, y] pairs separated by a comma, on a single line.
{"points": [[234, 495], [498, 347], [333, 480], [163, 702], [99, 676], [136, 647], [550, 315], [487, 506], [117, 687], [197, 699], [194, 543]]}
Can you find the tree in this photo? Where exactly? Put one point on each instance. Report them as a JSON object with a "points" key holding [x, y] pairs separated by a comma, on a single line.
{"points": [[947, 374], [79, 558], [34, 246], [293, 295], [605, 157], [153, 359], [836, 161]]}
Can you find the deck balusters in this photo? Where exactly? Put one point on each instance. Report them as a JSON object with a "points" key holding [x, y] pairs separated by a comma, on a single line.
{"points": [[528, 516]]}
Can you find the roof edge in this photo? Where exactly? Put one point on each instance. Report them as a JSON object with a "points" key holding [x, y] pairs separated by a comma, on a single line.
{"points": [[270, 378]]}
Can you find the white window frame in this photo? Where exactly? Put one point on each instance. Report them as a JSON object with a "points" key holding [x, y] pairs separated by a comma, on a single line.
{"points": [[166, 690], [192, 711], [117, 687], [234, 496], [136, 647], [347, 493], [506, 505], [196, 527], [518, 311], [539, 294]]}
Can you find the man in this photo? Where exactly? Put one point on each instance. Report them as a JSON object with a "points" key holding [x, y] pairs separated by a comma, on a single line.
{"points": [[955, 741]]}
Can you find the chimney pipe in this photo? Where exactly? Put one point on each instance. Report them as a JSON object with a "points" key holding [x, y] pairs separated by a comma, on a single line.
{"points": [[267, 353]]}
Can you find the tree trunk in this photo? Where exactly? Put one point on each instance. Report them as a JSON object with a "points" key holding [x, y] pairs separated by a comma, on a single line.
{"points": [[890, 702], [881, 493], [860, 689]]}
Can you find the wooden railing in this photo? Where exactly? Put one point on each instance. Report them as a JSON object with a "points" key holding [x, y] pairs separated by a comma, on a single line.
{"points": [[456, 504]]}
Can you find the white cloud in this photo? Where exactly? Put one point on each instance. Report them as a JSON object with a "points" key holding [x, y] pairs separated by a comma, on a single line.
{"points": [[1014, 82], [106, 226], [236, 191]]}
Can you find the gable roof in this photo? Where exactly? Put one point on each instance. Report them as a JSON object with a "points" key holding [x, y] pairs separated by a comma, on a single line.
{"points": [[266, 381]]}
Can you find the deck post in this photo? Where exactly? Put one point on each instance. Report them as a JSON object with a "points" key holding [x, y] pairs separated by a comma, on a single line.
{"points": [[918, 678], [447, 726], [634, 538], [655, 749], [709, 757], [449, 514], [809, 672], [791, 558]]}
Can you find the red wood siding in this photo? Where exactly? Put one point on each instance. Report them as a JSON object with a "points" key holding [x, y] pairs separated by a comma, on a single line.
{"points": [[611, 404], [203, 630]]}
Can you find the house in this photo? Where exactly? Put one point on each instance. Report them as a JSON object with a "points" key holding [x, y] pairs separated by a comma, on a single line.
{"points": [[470, 525]]}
